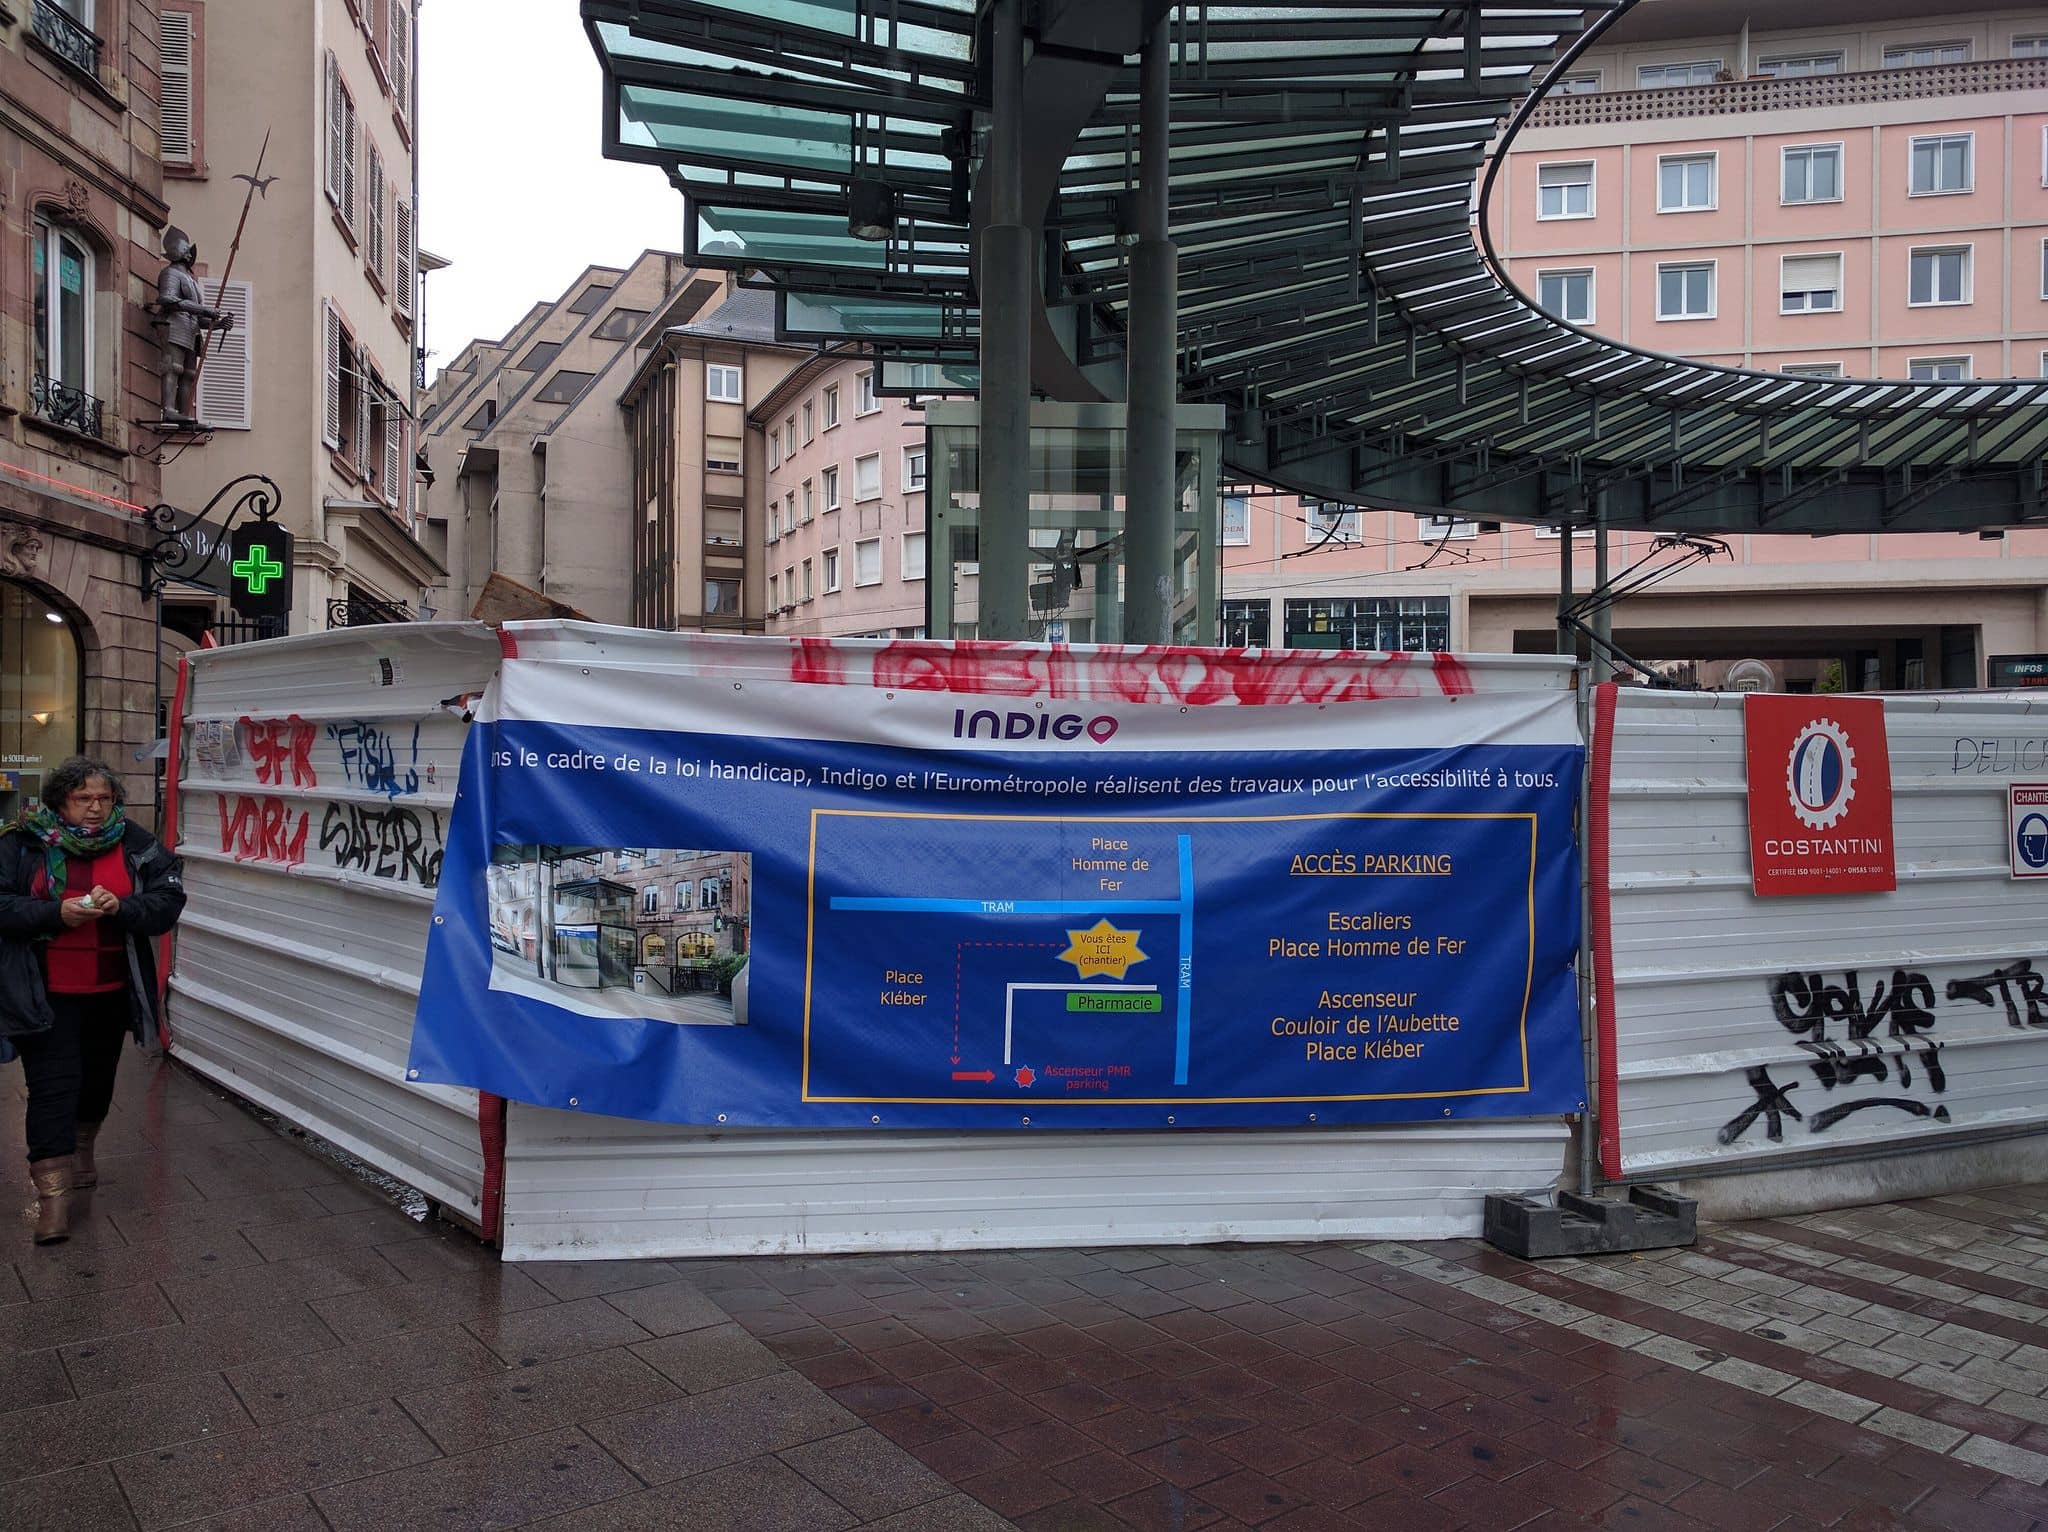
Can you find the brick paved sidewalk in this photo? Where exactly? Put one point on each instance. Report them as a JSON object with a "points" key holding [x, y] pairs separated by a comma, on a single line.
{"points": [[242, 1332]]}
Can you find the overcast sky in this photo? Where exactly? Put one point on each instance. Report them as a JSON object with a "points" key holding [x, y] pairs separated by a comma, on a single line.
{"points": [[513, 187]]}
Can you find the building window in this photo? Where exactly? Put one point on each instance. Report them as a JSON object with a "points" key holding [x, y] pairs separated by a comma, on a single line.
{"points": [[867, 561], [1810, 284], [41, 694], [1799, 66], [864, 394], [1566, 294], [1939, 276], [722, 382], [1669, 76], [1234, 529], [1813, 370], [810, 501], [341, 144], [64, 328], [831, 570], [1329, 522], [806, 567], [538, 356], [722, 597], [1577, 85], [831, 478], [65, 27], [789, 437], [398, 55], [373, 220], [913, 470], [2044, 268], [789, 511], [722, 464], [682, 895], [1685, 183], [620, 324], [1812, 173], [1685, 290], [774, 522], [1565, 191], [650, 900], [867, 477], [1245, 624], [710, 893], [1412, 623], [1938, 369], [564, 386], [1942, 165], [774, 450], [1919, 55], [913, 555], [177, 44], [2022, 48], [1437, 529], [810, 423], [831, 406], [591, 299]]}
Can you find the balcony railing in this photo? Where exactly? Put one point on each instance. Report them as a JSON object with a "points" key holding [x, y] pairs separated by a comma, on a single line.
{"points": [[361, 611], [68, 38], [63, 405], [1825, 91]]}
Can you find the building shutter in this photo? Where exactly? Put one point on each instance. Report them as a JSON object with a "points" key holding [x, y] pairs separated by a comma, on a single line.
{"points": [[402, 258], [401, 56], [373, 208], [1812, 273], [394, 439], [348, 158], [225, 384], [366, 455], [334, 125], [331, 428], [174, 105]]}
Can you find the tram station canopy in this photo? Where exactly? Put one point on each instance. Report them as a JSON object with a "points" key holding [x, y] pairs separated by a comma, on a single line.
{"points": [[1326, 168]]}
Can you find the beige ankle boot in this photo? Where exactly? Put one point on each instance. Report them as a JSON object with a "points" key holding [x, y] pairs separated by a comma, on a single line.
{"points": [[84, 1173], [53, 1199]]}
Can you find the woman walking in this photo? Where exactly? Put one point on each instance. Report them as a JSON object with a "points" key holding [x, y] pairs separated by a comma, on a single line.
{"points": [[81, 890]]}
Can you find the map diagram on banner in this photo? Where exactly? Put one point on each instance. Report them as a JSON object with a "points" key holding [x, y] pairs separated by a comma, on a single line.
{"points": [[967, 958]]}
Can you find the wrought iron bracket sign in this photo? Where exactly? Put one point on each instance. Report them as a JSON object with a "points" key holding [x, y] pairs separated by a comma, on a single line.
{"points": [[206, 550]]}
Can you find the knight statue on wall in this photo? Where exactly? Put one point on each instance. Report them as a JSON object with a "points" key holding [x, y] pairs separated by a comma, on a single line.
{"points": [[184, 315]]}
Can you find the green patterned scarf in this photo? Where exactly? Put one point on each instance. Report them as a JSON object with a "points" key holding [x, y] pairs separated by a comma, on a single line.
{"points": [[60, 840]]}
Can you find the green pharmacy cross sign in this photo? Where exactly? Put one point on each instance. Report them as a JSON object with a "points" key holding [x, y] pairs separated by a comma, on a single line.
{"points": [[260, 564]]}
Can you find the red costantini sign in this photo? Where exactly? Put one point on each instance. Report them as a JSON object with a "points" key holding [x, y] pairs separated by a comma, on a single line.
{"points": [[1820, 795]]}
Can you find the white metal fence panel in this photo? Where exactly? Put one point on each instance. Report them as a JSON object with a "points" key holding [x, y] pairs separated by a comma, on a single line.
{"points": [[316, 777], [1754, 1032]]}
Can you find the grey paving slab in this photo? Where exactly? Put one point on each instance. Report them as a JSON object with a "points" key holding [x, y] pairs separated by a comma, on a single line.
{"points": [[61, 1436], [78, 1500], [523, 1401], [593, 1279], [551, 1330], [510, 1485], [381, 1311], [141, 1357], [760, 1495], [698, 1361], [704, 1431], [216, 1295], [668, 1308], [867, 1473]]}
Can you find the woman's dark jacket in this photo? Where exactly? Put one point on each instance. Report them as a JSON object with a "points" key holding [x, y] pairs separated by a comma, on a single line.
{"points": [[28, 921]]}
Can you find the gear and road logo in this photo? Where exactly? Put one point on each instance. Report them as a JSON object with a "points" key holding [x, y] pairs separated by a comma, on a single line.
{"points": [[1820, 775]]}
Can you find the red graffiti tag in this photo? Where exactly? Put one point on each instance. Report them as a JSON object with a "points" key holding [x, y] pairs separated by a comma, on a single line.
{"points": [[262, 830], [1131, 673], [275, 743]]}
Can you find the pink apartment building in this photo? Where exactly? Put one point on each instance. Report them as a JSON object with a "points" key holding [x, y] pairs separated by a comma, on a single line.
{"points": [[845, 525], [1865, 193]]}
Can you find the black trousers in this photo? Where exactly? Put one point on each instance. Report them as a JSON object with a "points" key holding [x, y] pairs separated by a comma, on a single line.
{"points": [[70, 1069]]}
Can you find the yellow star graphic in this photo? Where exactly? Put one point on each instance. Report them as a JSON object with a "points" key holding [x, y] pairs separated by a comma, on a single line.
{"points": [[1102, 949]]}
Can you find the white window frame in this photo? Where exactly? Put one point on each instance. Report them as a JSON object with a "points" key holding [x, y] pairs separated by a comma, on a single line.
{"points": [[1713, 67], [1592, 181], [805, 566], [1713, 163], [1785, 293], [2044, 364], [1584, 82], [1223, 537], [2044, 268], [1969, 255], [1713, 271], [864, 400], [774, 450], [1785, 152], [1441, 529], [1592, 287], [830, 488], [1969, 141], [810, 423], [774, 524], [861, 495], [52, 235], [913, 569], [650, 899], [1316, 524], [915, 483], [832, 407], [1813, 370], [1840, 60], [1968, 363], [875, 575], [810, 502], [829, 580], [717, 374], [789, 437], [2028, 45], [1889, 59], [1545, 530]]}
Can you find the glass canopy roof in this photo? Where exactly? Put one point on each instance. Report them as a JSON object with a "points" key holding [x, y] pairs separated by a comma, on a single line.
{"points": [[1335, 295]]}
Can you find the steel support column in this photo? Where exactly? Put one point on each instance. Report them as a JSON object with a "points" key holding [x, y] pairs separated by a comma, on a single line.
{"points": [[1008, 269], [1151, 488], [1567, 635], [1603, 614]]}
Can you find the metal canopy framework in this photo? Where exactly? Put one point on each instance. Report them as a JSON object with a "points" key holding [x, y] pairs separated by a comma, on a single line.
{"points": [[1335, 293]]}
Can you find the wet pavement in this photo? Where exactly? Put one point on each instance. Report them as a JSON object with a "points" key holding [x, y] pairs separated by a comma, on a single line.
{"points": [[243, 1336]]}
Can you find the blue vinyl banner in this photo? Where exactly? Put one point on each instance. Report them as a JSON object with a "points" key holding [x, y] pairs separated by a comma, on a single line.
{"points": [[793, 902]]}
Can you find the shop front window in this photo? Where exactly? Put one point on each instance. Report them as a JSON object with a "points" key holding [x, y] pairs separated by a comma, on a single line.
{"points": [[39, 694]]}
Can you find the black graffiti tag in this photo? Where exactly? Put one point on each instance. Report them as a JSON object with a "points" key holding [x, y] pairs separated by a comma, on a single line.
{"points": [[398, 843], [1772, 1103], [2023, 992]]}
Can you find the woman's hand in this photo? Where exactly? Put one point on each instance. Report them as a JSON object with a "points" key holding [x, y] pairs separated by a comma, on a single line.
{"points": [[76, 912], [104, 899]]}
